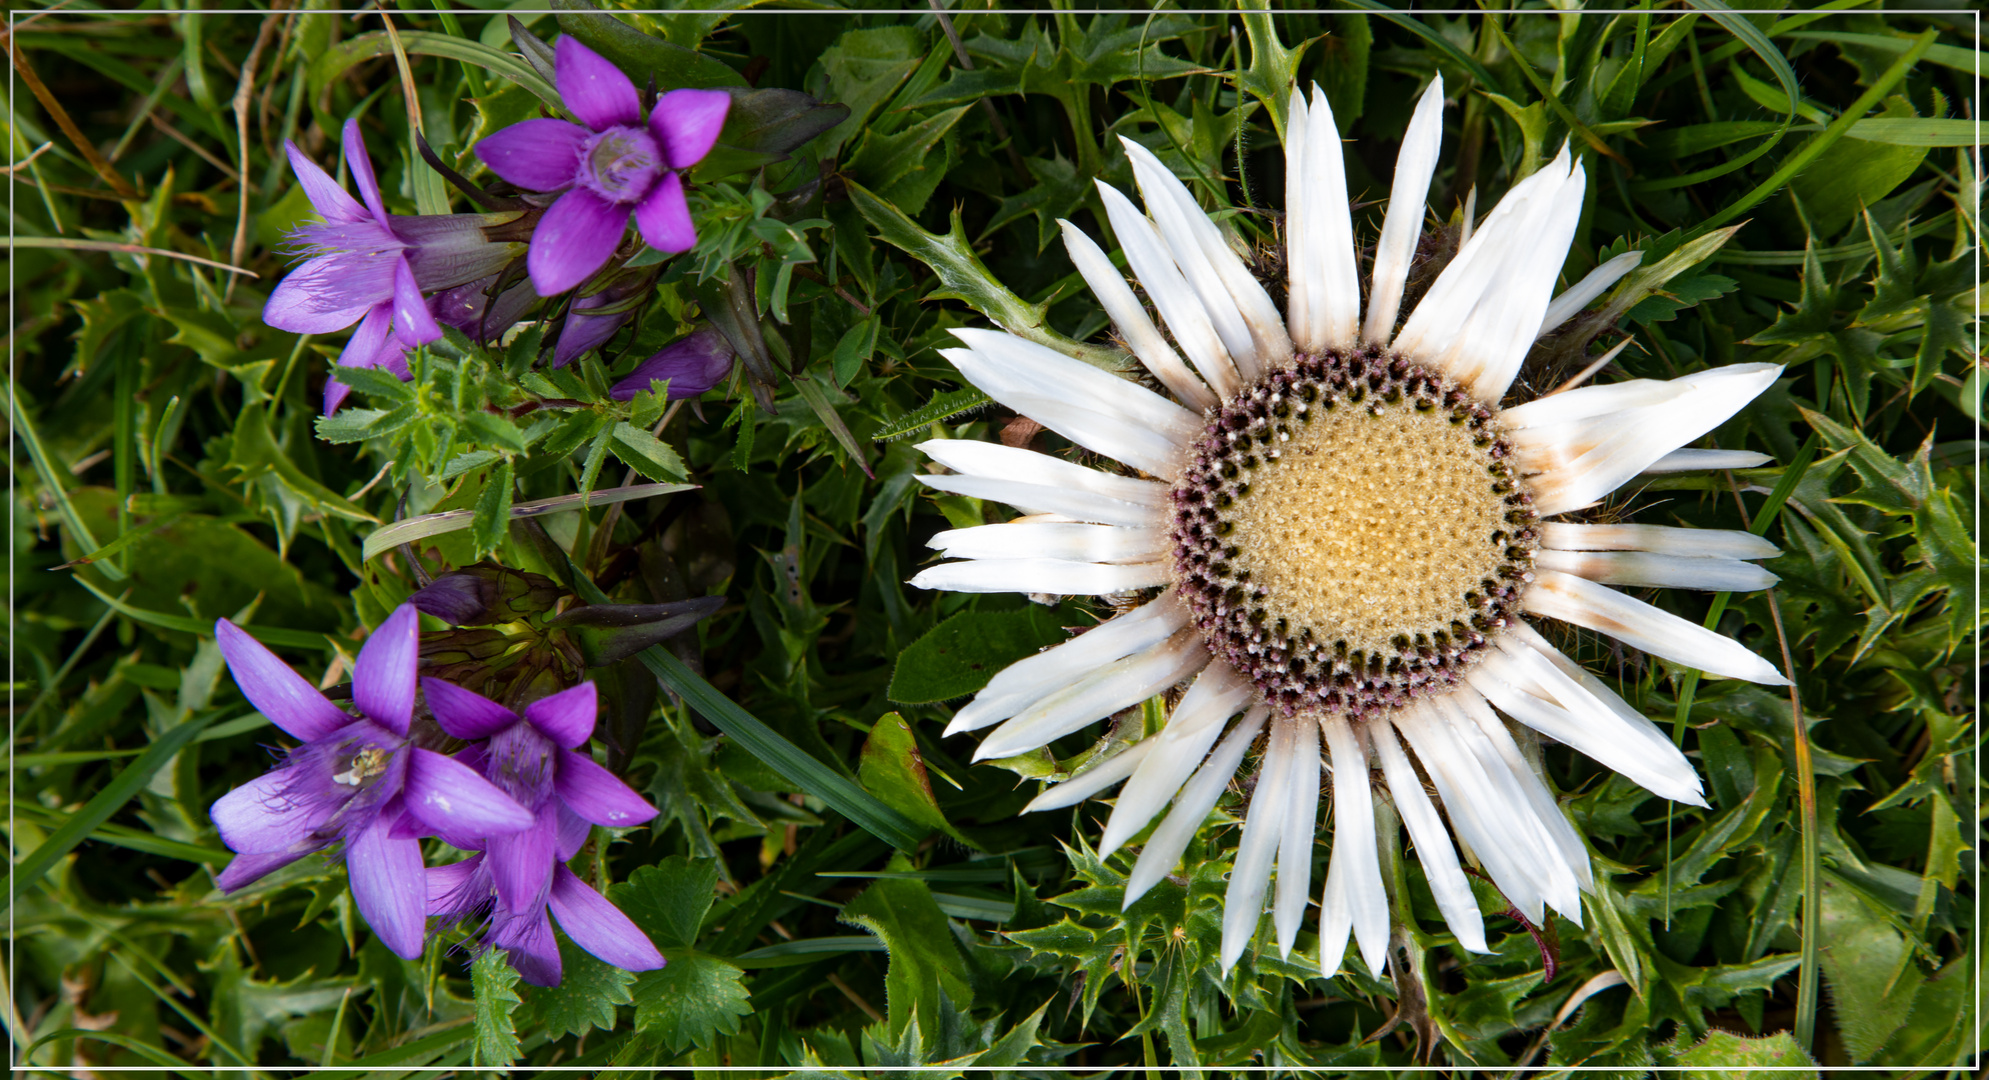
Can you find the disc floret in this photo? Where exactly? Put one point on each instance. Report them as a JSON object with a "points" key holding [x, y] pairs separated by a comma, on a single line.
{"points": [[1350, 532]]}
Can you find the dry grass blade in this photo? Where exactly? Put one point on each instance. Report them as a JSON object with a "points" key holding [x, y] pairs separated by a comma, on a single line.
{"points": [[113, 245], [61, 117]]}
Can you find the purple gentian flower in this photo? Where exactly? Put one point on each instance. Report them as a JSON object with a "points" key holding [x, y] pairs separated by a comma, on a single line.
{"points": [[692, 365], [356, 779], [612, 163], [370, 268], [534, 758]]}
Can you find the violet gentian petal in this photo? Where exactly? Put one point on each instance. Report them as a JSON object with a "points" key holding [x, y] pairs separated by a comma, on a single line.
{"points": [[664, 219], [263, 816], [246, 869], [598, 795], [361, 167], [572, 834], [383, 676], [413, 324], [446, 794], [465, 714], [598, 926], [446, 882], [575, 238], [327, 198], [389, 887], [537, 155], [279, 693], [594, 90], [529, 939], [686, 123], [329, 293], [567, 717], [521, 863]]}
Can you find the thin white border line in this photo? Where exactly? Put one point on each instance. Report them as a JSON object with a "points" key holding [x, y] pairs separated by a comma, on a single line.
{"points": [[355, 14]]}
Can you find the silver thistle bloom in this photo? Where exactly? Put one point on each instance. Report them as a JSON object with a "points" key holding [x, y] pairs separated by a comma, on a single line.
{"points": [[1348, 531]]}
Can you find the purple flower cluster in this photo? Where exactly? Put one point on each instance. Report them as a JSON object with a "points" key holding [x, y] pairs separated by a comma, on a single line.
{"points": [[371, 268], [521, 797], [396, 280]]}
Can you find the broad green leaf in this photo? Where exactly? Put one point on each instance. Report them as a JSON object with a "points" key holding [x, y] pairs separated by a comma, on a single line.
{"points": [[959, 656], [893, 770], [1868, 966], [1723, 1055], [926, 962]]}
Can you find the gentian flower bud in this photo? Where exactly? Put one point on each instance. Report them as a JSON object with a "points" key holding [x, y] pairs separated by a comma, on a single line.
{"points": [[692, 365]]}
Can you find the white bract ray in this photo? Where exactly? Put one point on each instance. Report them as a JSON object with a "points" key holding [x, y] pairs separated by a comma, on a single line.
{"points": [[1645, 570], [1588, 288], [1179, 306], [1054, 576], [1474, 808], [1070, 502], [1597, 732], [1114, 687], [1217, 694], [976, 458], [1355, 859], [1174, 215], [1658, 539], [1695, 460], [1163, 849], [1319, 254], [1052, 540], [1560, 882], [1402, 228], [1436, 328], [1263, 828], [1295, 845], [1523, 253], [1574, 855], [1644, 436], [1641, 626], [1117, 298], [1092, 780], [1269, 345], [1025, 682], [1448, 884]]}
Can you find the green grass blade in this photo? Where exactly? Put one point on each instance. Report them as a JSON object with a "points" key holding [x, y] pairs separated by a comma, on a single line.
{"points": [[794, 764], [99, 809]]}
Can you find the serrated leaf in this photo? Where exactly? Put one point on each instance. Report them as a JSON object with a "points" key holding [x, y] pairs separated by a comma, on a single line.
{"points": [[669, 899], [1722, 1055], [493, 982], [645, 453], [585, 999], [491, 429], [963, 277], [691, 1001], [942, 407], [493, 511]]}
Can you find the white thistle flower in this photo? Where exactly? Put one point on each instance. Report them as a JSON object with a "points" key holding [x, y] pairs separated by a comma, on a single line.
{"points": [[1347, 530]]}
